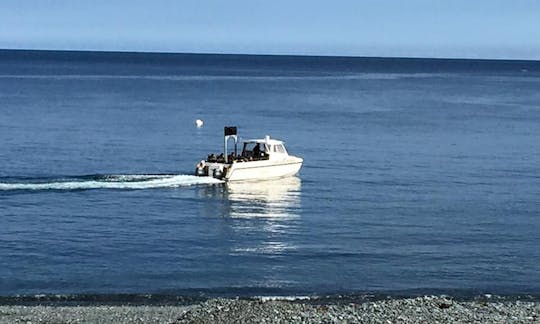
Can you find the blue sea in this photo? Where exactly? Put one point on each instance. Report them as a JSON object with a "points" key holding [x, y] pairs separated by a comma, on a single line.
{"points": [[419, 175]]}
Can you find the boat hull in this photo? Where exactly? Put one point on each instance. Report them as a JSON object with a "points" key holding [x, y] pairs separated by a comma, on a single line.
{"points": [[254, 170], [258, 170]]}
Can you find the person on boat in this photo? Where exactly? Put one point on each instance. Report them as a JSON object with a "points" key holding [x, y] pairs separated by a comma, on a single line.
{"points": [[220, 158], [257, 151]]}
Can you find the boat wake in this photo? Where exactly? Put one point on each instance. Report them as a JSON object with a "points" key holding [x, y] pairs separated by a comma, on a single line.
{"points": [[122, 181]]}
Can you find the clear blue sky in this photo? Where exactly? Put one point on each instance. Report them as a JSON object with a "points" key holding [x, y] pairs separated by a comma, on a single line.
{"points": [[419, 28]]}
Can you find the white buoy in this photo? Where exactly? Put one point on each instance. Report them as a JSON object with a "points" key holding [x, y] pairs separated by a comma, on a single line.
{"points": [[199, 123]]}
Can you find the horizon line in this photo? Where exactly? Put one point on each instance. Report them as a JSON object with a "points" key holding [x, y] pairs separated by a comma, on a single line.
{"points": [[267, 55]]}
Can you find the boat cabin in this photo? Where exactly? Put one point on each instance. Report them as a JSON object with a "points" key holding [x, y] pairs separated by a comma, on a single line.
{"points": [[262, 149]]}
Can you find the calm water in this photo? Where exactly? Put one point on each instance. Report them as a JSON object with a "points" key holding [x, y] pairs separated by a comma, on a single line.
{"points": [[418, 175]]}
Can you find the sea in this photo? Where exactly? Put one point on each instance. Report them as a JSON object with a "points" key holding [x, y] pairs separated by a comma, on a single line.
{"points": [[419, 175]]}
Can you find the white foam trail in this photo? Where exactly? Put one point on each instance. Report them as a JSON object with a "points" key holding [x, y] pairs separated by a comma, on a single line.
{"points": [[116, 182]]}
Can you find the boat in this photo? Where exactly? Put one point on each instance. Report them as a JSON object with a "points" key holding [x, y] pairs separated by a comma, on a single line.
{"points": [[260, 159]]}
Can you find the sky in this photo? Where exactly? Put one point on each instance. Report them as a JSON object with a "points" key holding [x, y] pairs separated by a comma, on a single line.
{"points": [[505, 29]]}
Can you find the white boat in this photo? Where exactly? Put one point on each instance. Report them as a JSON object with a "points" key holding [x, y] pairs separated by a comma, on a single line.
{"points": [[260, 159]]}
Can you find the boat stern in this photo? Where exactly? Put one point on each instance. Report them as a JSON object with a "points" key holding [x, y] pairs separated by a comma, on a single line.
{"points": [[211, 169]]}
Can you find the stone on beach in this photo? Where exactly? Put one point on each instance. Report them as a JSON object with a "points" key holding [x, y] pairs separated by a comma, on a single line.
{"points": [[427, 309]]}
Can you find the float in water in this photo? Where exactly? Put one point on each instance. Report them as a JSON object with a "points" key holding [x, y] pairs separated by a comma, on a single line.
{"points": [[260, 159]]}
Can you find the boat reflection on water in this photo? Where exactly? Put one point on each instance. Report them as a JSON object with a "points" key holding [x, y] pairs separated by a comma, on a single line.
{"points": [[265, 216], [277, 199]]}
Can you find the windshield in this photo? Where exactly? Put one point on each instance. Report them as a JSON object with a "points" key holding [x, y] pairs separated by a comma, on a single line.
{"points": [[253, 149]]}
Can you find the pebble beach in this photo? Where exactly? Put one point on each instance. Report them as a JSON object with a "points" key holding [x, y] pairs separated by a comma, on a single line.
{"points": [[426, 309]]}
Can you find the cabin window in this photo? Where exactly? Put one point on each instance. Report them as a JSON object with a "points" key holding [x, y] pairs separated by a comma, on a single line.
{"points": [[279, 149], [251, 148]]}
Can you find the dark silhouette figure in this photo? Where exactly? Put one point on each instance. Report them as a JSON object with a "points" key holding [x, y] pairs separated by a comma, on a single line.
{"points": [[257, 151]]}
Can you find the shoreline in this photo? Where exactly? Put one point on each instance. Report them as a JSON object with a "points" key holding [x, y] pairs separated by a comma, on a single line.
{"points": [[275, 309], [196, 297]]}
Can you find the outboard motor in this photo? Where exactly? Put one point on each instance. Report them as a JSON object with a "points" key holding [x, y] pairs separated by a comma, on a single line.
{"points": [[218, 174], [199, 169]]}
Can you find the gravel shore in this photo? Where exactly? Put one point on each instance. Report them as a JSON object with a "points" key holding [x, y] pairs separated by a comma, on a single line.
{"points": [[428, 309]]}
